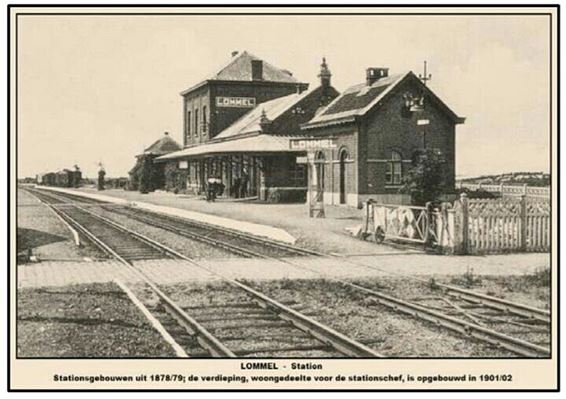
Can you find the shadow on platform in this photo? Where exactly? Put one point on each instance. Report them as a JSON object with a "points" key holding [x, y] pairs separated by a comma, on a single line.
{"points": [[30, 239]]}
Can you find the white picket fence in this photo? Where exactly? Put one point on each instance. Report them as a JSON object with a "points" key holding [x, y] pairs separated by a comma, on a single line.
{"points": [[512, 224], [469, 226]]}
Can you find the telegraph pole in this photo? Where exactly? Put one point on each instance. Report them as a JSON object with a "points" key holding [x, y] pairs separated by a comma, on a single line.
{"points": [[425, 76]]}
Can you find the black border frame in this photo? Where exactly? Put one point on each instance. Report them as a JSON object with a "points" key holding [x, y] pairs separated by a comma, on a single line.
{"points": [[555, 245]]}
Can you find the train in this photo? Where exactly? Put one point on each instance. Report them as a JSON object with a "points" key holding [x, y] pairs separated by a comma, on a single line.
{"points": [[61, 178]]}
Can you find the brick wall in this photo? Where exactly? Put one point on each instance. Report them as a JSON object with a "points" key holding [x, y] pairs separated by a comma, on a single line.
{"points": [[388, 128], [222, 117], [345, 137], [196, 100], [219, 118], [289, 122]]}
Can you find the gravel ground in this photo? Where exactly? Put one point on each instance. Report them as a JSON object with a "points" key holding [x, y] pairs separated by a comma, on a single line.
{"points": [[94, 320], [532, 290], [247, 329], [186, 246], [523, 289], [48, 237], [392, 334]]}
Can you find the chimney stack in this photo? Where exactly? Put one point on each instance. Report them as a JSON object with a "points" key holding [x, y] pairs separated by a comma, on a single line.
{"points": [[257, 70], [375, 73], [324, 74], [264, 122]]}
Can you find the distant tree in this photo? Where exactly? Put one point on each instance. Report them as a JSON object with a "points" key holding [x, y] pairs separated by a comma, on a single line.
{"points": [[171, 173], [145, 184], [427, 177]]}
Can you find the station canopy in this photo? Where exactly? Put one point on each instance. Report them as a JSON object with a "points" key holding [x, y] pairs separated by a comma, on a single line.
{"points": [[257, 144]]}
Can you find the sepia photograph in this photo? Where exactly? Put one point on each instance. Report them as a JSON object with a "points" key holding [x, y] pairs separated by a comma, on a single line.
{"points": [[283, 197]]}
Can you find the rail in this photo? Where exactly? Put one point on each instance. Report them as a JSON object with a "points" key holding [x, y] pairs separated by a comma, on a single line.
{"points": [[323, 333], [512, 344]]}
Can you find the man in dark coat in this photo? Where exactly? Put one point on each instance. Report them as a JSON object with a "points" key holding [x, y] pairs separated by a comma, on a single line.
{"points": [[244, 184], [236, 185], [101, 173]]}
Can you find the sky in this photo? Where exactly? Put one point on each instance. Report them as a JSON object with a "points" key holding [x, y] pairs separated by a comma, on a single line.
{"points": [[102, 88]]}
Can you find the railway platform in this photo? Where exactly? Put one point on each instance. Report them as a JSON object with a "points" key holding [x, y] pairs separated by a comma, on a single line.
{"points": [[164, 271], [284, 222]]}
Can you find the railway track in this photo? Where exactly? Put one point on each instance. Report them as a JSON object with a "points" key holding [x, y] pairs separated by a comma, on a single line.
{"points": [[289, 331], [240, 244], [518, 328], [495, 321]]}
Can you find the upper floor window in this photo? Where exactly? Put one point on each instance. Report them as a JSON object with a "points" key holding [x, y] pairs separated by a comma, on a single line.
{"points": [[196, 122], [204, 119], [394, 172], [188, 123]]}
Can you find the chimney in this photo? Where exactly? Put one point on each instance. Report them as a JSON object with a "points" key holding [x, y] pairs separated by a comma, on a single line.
{"points": [[264, 122], [234, 53], [374, 74], [166, 133], [324, 74], [257, 70]]}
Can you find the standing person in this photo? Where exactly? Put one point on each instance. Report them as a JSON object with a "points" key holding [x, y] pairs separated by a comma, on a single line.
{"points": [[211, 189], [219, 187], [237, 183], [244, 184], [101, 174]]}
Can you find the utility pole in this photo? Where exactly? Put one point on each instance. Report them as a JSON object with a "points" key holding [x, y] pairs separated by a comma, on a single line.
{"points": [[425, 76]]}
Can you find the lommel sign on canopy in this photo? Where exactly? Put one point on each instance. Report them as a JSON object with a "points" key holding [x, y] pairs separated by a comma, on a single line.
{"points": [[305, 144]]}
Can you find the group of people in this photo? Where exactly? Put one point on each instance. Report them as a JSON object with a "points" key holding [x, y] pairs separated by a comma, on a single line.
{"points": [[238, 189]]}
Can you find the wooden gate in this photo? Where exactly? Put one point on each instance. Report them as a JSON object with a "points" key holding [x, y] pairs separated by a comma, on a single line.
{"points": [[399, 223]]}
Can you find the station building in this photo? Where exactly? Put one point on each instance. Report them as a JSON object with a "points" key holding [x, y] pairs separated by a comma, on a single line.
{"points": [[379, 127], [147, 175], [238, 124]]}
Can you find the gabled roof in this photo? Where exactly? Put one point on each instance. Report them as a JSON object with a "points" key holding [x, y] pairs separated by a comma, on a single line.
{"points": [[164, 145], [360, 99], [250, 122], [239, 68]]}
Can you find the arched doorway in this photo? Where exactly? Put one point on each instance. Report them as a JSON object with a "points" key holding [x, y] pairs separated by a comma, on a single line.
{"points": [[343, 159]]}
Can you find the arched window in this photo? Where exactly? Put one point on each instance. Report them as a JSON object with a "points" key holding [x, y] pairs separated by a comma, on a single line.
{"points": [[394, 171]]}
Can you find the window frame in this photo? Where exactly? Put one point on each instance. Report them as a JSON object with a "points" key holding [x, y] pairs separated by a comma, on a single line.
{"points": [[204, 126], [394, 169], [196, 121]]}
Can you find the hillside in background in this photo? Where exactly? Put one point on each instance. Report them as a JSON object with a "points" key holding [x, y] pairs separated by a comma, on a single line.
{"points": [[534, 179]]}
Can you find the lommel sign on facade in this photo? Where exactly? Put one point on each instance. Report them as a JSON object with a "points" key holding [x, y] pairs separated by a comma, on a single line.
{"points": [[235, 102], [305, 144]]}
